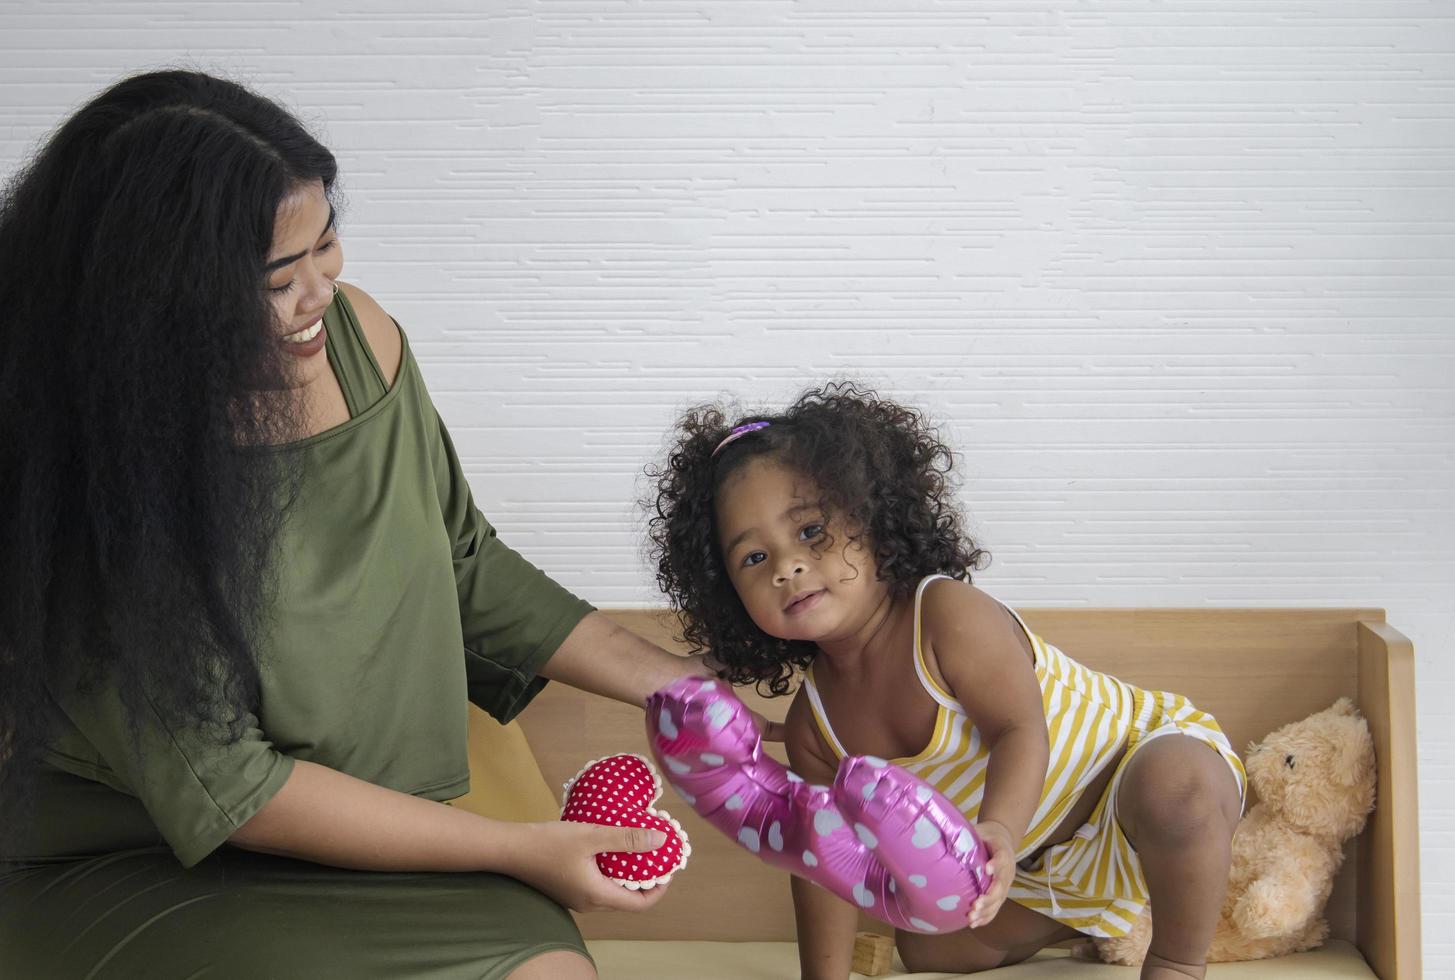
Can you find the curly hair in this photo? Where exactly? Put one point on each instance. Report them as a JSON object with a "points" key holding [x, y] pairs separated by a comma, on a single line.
{"points": [[137, 526], [883, 474]]}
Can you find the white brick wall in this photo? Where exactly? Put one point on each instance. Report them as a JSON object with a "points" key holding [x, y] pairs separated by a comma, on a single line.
{"points": [[1176, 277]]}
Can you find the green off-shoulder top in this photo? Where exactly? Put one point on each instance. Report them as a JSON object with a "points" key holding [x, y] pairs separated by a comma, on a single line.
{"points": [[395, 603]]}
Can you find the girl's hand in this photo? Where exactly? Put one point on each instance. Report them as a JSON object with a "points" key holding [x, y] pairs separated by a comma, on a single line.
{"points": [[559, 859], [1002, 871]]}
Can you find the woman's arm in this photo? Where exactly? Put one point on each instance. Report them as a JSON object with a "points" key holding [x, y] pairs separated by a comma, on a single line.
{"points": [[601, 657], [327, 817], [598, 655]]}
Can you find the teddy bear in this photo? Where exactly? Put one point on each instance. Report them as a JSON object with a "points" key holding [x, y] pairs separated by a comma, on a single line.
{"points": [[1314, 780]]}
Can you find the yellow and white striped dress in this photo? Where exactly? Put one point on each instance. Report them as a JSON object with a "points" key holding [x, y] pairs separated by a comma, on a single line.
{"points": [[1093, 881]]}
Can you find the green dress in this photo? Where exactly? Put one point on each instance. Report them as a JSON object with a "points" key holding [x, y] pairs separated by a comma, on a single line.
{"points": [[396, 602]]}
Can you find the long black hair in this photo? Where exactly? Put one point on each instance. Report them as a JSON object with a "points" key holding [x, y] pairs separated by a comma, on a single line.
{"points": [[884, 475], [137, 527]]}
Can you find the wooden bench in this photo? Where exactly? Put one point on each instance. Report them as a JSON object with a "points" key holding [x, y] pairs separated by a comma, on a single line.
{"points": [[728, 915]]}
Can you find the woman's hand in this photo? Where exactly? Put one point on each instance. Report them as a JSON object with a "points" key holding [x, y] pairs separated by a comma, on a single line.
{"points": [[559, 859], [1002, 871], [768, 731]]}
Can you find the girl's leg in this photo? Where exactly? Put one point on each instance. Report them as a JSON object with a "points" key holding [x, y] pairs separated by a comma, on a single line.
{"points": [[1178, 805], [1016, 933]]}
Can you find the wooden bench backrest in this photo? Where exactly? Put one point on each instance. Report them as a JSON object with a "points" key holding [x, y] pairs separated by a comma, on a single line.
{"points": [[1254, 669]]}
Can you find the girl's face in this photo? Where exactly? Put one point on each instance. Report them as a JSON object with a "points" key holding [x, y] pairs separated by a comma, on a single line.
{"points": [[302, 265], [774, 540]]}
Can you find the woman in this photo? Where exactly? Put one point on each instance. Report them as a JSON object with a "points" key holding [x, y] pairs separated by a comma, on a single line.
{"points": [[247, 591]]}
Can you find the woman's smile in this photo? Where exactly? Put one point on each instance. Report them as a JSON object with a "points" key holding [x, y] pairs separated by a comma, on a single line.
{"points": [[308, 341]]}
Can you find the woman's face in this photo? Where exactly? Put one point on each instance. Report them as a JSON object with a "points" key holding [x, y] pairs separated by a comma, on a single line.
{"points": [[302, 265]]}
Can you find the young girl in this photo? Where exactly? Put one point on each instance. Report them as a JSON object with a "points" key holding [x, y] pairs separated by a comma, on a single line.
{"points": [[826, 538]]}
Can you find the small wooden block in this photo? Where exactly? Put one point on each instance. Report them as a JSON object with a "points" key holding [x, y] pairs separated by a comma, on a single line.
{"points": [[873, 954]]}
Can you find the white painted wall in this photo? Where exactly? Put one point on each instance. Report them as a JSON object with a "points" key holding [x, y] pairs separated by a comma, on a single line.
{"points": [[1175, 277]]}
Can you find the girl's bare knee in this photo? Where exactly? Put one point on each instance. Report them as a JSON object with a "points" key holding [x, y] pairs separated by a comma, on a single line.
{"points": [[1015, 934], [1181, 793], [944, 954]]}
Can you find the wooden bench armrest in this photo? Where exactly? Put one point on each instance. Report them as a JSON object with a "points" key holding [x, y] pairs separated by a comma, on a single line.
{"points": [[1388, 931]]}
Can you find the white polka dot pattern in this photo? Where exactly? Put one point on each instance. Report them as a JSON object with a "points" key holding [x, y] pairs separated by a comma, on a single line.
{"points": [[880, 837], [619, 791]]}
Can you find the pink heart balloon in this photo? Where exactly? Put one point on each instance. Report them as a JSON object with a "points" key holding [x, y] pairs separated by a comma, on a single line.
{"points": [[880, 838]]}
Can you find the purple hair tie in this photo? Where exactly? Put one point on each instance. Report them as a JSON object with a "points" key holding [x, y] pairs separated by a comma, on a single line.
{"points": [[738, 433]]}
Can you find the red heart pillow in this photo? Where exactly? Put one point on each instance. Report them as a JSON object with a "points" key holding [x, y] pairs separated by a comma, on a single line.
{"points": [[619, 791]]}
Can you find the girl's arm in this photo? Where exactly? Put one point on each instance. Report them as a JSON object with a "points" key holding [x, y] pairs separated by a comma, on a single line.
{"points": [[978, 650], [826, 923], [328, 817]]}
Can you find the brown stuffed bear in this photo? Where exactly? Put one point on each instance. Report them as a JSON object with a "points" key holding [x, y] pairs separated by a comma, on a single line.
{"points": [[1315, 785]]}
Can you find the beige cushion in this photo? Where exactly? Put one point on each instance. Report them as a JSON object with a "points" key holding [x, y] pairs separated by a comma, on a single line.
{"points": [[505, 782], [627, 959]]}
